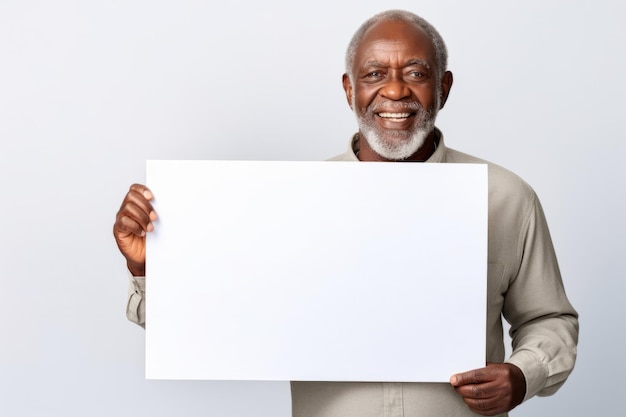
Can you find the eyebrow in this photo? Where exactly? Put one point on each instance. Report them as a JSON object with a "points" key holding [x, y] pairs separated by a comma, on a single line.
{"points": [[409, 63], [372, 63], [418, 62]]}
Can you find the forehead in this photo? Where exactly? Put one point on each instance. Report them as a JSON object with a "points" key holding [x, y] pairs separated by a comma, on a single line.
{"points": [[394, 40]]}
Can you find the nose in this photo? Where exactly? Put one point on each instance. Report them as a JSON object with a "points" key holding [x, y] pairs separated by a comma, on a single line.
{"points": [[395, 88]]}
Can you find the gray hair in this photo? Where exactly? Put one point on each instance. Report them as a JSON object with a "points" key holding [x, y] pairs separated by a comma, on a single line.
{"points": [[441, 52]]}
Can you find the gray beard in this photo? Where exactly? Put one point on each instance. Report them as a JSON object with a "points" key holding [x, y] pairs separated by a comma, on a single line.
{"points": [[397, 145]]}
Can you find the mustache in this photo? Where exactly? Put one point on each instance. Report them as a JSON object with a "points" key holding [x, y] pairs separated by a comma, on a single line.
{"points": [[408, 106], [399, 106], [422, 115]]}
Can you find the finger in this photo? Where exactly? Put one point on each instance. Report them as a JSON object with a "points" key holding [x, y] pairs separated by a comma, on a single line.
{"points": [[482, 390], [474, 376], [133, 217], [142, 189], [138, 198], [127, 225], [141, 195]]}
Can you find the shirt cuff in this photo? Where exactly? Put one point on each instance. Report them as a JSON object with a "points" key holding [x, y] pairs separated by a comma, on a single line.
{"points": [[535, 372], [135, 309]]}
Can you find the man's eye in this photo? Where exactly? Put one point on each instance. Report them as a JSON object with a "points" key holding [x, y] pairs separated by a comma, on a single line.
{"points": [[416, 74], [374, 74]]}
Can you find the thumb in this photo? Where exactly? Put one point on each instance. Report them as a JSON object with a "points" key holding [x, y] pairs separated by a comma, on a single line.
{"points": [[470, 377]]}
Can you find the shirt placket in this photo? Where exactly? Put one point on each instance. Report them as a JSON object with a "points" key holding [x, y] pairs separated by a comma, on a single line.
{"points": [[393, 404]]}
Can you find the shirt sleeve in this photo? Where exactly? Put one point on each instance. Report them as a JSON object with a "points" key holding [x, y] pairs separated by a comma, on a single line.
{"points": [[544, 325], [135, 308]]}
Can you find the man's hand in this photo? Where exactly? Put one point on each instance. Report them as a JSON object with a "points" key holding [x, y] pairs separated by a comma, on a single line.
{"points": [[495, 389], [132, 222]]}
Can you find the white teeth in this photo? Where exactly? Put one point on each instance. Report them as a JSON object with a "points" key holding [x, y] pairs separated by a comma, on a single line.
{"points": [[394, 115]]}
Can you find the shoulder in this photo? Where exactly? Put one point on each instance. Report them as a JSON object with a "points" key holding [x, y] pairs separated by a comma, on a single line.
{"points": [[504, 185]]}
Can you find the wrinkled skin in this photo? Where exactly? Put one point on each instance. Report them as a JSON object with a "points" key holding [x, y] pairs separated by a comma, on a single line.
{"points": [[395, 69]]}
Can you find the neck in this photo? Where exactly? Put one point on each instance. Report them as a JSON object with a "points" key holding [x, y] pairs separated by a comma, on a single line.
{"points": [[422, 154]]}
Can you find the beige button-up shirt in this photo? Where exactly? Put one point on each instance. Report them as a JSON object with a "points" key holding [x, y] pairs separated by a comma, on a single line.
{"points": [[524, 286]]}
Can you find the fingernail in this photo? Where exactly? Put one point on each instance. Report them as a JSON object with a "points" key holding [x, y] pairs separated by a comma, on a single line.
{"points": [[147, 194], [453, 379], [153, 215], [150, 227]]}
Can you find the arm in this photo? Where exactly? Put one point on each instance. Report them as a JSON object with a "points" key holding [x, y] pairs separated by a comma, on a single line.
{"points": [[544, 328], [133, 220], [544, 325]]}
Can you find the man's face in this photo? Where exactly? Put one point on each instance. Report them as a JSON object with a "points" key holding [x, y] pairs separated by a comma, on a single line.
{"points": [[394, 89]]}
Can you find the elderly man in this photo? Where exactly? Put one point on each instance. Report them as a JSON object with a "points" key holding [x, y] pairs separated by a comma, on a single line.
{"points": [[396, 81]]}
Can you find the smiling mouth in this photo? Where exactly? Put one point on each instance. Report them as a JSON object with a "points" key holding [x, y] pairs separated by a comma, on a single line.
{"points": [[394, 116]]}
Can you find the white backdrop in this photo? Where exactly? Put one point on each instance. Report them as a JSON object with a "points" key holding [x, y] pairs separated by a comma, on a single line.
{"points": [[90, 90]]}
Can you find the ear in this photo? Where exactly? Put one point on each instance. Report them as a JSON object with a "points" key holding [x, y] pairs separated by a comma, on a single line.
{"points": [[446, 85], [347, 87]]}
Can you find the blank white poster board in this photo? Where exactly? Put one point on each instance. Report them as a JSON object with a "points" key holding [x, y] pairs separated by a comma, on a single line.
{"points": [[322, 271]]}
